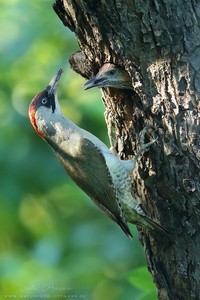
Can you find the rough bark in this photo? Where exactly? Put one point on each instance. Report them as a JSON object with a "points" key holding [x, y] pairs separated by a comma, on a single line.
{"points": [[158, 43]]}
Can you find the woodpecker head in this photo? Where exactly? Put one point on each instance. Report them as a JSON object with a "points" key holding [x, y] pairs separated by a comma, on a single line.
{"points": [[45, 106], [110, 75]]}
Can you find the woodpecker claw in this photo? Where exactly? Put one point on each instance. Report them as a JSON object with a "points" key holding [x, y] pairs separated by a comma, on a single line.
{"points": [[143, 147]]}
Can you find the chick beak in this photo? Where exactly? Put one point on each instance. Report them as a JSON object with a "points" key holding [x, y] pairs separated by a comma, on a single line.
{"points": [[53, 84], [94, 82]]}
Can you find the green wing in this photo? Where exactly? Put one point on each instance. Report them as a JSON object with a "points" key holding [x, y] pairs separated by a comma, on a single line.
{"points": [[87, 167]]}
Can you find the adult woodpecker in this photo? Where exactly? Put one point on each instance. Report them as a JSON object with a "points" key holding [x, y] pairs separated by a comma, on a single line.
{"points": [[95, 169], [110, 75]]}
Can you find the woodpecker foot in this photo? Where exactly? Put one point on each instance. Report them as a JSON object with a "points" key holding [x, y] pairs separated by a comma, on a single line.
{"points": [[143, 147]]}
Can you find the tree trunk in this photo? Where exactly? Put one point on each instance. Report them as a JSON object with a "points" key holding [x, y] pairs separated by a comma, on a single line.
{"points": [[158, 43]]}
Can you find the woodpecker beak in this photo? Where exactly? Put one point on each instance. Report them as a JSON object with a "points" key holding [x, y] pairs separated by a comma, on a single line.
{"points": [[95, 82], [52, 87], [53, 84]]}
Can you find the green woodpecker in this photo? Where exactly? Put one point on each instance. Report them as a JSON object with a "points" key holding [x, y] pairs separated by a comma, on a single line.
{"points": [[96, 170], [110, 75]]}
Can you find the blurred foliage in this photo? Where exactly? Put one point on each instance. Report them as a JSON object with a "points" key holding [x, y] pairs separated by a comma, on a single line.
{"points": [[53, 240]]}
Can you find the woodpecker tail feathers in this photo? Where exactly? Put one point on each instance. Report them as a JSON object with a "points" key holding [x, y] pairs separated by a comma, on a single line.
{"points": [[153, 226], [125, 228], [143, 221]]}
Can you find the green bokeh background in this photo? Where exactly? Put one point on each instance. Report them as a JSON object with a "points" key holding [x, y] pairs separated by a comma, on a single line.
{"points": [[54, 242]]}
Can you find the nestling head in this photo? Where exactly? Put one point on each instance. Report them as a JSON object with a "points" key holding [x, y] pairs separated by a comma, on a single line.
{"points": [[44, 106], [110, 75]]}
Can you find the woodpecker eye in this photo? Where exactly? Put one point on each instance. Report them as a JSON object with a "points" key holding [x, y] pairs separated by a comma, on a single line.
{"points": [[112, 72], [44, 101], [48, 100]]}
